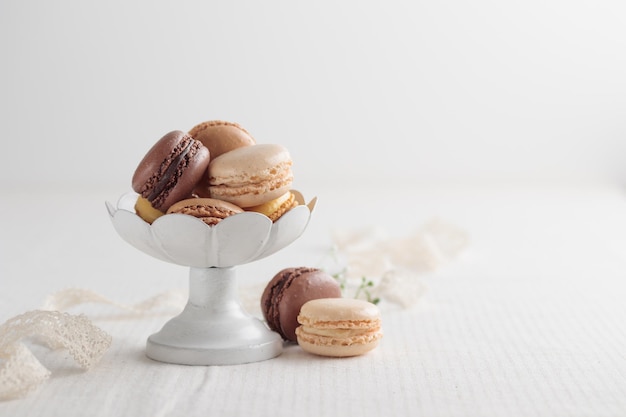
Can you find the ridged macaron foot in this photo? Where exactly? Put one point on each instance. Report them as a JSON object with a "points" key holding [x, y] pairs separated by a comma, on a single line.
{"points": [[209, 210], [170, 170], [339, 327], [252, 175], [288, 290]]}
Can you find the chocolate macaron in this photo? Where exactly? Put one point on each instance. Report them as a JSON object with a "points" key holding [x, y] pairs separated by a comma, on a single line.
{"points": [[170, 170], [287, 292]]}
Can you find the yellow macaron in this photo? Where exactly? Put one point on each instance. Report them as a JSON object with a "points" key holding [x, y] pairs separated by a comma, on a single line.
{"points": [[275, 208], [144, 209]]}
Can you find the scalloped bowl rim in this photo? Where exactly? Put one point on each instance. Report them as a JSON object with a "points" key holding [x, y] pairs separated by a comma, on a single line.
{"points": [[272, 236], [131, 194]]}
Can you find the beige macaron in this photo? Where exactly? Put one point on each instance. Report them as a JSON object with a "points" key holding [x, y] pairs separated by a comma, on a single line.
{"points": [[252, 175], [339, 327]]}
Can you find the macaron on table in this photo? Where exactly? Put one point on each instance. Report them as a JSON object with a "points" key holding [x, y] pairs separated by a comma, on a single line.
{"points": [[338, 327], [165, 219]]}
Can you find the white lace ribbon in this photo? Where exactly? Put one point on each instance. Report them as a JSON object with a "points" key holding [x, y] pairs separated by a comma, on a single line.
{"points": [[73, 297], [20, 371]]}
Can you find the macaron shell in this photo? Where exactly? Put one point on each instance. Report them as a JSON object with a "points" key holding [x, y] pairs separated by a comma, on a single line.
{"points": [[170, 169], [249, 164], [345, 313], [252, 175], [221, 136]]}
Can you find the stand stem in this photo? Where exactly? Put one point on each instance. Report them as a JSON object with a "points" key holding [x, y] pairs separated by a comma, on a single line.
{"points": [[213, 289]]}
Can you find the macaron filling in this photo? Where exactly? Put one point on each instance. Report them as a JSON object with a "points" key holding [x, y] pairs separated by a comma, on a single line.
{"points": [[337, 337], [338, 333], [159, 185], [240, 190]]}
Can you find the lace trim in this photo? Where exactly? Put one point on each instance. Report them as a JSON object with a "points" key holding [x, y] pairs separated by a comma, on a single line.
{"points": [[20, 371], [73, 297]]}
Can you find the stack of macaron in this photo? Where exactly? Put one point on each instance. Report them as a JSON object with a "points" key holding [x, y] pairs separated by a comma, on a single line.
{"points": [[305, 305], [214, 171]]}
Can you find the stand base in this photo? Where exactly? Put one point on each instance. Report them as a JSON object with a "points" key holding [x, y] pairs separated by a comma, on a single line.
{"points": [[253, 343], [213, 329]]}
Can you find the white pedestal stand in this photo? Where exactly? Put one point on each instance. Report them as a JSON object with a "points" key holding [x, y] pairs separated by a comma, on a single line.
{"points": [[213, 329]]}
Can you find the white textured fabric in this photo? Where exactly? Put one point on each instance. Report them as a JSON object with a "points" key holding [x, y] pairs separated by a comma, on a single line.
{"points": [[398, 281], [527, 321]]}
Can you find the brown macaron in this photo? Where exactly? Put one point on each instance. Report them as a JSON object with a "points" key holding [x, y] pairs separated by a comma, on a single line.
{"points": [[220, 137], [288, 290], [170, 170], [209, 210]]}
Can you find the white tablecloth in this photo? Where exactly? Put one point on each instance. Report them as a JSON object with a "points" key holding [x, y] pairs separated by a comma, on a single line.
{"points": [[529, 321]]}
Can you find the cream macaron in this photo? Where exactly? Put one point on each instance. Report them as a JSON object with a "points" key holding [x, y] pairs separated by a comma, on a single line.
{"points": [[339, 327], [252, 175]]}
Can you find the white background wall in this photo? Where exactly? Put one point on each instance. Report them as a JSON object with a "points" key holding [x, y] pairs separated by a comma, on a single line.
{"points": [[431, 91]]}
